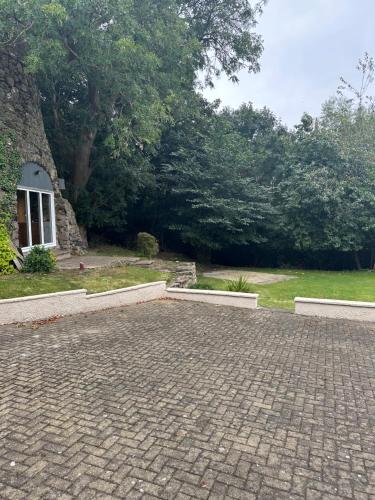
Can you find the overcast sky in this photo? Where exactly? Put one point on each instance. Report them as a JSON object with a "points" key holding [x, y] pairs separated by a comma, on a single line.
{"points": [[308, 45]]}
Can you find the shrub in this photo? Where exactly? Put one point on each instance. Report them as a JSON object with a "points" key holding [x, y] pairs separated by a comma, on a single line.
{"points": [[240, 285], [147, 245], [39, 260], [7, 254], [201, 286]]}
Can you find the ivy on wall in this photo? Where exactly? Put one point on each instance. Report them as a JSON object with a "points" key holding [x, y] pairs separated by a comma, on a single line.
{"points": [[7, 253], [10, 174]]}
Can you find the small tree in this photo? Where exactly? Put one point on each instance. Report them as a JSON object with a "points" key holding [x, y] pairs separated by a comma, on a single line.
{"points": [[147, 245]]}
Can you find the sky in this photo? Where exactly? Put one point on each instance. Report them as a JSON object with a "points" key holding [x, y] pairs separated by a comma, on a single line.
{"points": [[308, 45]]}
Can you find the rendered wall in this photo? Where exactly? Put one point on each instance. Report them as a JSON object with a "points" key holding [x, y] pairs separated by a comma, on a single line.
{"points": [[40, 307], [339, 309], [234, 299]]}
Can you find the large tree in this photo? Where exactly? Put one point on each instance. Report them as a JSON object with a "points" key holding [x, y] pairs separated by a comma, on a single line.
{"points": [[207, 191], [118, 64], [226, 32], [111, 64]]}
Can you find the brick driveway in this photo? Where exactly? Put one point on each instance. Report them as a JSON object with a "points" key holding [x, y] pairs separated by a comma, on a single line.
{"points": [[176, 400]]}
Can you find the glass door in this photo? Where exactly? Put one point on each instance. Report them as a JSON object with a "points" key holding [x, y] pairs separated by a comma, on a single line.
{"points": [[35, 216], [35, 219], [22, 218], [47, 218]]}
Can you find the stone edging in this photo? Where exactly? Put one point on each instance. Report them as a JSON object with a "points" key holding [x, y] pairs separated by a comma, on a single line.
{"points": [[338, 309], [234, 299]]}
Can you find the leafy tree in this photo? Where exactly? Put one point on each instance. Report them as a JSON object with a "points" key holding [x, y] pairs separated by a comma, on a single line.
{"points": [[207, 180], [326, 199], [103, 64], [115, 187], [265, 137], [226, 32], [348, 121], [118, 64]]}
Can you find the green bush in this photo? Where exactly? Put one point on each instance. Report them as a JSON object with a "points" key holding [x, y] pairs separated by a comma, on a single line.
{"points": [[240, 285], [147, 245], [39, 260], [7, 254]]}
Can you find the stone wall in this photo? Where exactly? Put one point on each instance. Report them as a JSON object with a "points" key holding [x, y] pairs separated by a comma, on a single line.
{"points": [[20, 113], [185, 275]]}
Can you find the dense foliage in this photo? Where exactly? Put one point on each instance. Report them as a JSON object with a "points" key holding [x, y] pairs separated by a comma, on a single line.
{"points": [[147, 245], [39, 260], [142, 151], [7, 254], [10, 172]]}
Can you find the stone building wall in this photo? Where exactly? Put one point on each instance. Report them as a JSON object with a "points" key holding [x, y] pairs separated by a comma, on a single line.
{"points": [[20, 113]]}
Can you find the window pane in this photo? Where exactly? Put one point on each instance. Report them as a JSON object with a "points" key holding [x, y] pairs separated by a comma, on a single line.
{"points": [[35, 218], [22, 219], [47, 218]]}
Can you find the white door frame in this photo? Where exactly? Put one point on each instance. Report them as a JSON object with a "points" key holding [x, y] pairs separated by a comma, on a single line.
{"points": [[41, 229]]}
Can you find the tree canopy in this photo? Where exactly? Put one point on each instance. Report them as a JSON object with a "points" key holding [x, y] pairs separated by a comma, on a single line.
{"points": [[142, 150]]}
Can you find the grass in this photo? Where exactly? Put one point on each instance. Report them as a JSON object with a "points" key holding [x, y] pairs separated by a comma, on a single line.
{"points": [[348, 285], [96, 280], [104, 250], [107, 250]]}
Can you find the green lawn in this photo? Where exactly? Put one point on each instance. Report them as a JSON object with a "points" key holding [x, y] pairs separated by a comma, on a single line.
{"points": [[105, 250], [348, 285], [96, 280], [119, 251]]}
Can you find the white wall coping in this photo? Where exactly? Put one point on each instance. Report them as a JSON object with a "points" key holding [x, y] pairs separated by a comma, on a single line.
{"points": [[213, 292], [43, 296], [334, 302], [42, 307], [122, 290]]}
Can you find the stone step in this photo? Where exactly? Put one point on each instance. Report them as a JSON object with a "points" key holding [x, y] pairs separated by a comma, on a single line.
{"points": [[61, 254]]}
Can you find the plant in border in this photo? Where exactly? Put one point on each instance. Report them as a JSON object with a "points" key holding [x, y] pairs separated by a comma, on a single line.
{"points": [[39, 260], [239, 285]]}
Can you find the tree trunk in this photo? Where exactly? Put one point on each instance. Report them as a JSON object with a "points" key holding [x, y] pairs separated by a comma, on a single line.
{"points": [[82, 170], [81, 167], [357, 261]]}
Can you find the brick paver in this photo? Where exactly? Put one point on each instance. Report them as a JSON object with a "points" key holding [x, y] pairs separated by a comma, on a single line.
{"points": [[176, 400]]}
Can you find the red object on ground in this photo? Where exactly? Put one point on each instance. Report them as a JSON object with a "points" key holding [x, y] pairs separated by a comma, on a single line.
{"points": [[81, 266]]}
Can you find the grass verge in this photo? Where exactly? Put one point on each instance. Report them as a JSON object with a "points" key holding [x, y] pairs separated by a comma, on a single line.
{"points": [[348, 285], [95, 280]]}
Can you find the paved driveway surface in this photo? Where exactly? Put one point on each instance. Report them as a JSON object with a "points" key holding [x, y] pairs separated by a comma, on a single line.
{"points": [[178, 400]]}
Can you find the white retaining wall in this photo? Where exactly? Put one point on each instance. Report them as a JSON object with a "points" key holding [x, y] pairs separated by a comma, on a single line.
{"points": [[341, 309], [234, 299], [39, 307]]}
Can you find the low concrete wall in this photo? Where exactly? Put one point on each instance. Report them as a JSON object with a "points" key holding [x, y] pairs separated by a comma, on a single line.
{"points": [[341, 309], [244, 300], [39, 307], [126, 296]]}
